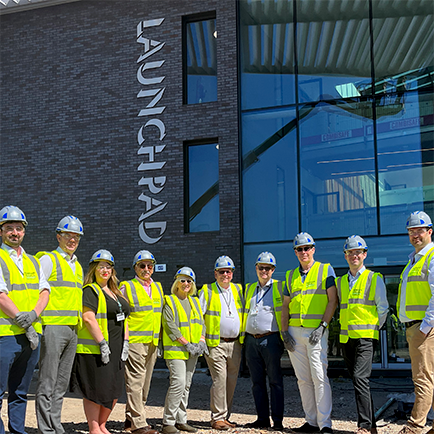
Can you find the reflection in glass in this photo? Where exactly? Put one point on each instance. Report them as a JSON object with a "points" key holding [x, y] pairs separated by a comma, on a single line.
{"points": [[269, 175], [267, 53], [203, 188], [201, 61], [338, 169]]}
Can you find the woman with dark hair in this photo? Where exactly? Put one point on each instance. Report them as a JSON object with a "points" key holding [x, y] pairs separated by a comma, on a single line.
{"points": [[98, 373]]}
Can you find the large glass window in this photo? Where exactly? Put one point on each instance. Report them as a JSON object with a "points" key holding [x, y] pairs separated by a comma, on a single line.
{"points": [[200, 59], [202, 187], [270, 196]]}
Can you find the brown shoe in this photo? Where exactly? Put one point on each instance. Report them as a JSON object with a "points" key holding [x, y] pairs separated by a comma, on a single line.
{"points": [[145, 430], [220, 425], [230, 424], [127, 425]]}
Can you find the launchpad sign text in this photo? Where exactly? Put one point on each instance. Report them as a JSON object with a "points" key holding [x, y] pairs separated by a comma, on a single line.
{"points": [[153, 131]]}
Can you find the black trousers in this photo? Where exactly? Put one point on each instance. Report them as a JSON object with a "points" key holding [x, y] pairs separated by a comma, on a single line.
{"points": [[358, 355]]}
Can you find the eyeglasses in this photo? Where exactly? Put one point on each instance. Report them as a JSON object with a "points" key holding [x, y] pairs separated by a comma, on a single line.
{"points": [[106, 267], [12, 228], [262, 268], [185, 281], [69, 236], [303, 249], [417, 231], [354, 252], [148, 266], [224, 271]]}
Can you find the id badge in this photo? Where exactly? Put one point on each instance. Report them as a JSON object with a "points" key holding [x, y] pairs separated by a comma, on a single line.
{"points": [[254, 311], [230, 315], [120, 317]]}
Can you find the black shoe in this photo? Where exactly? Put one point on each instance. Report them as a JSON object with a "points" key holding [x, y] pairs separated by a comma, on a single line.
{"points": [[258, 424], [306, 428], [277, 426], [326, 430]]}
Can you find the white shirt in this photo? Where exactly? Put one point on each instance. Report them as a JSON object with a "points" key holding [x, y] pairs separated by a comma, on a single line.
{"points": [[261, 318], [380, 297], [18, 261], [47, 264], [428, 321]]}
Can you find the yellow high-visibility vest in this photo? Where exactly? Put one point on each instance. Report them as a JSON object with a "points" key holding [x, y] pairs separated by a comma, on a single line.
{"points": [[65, 304]]}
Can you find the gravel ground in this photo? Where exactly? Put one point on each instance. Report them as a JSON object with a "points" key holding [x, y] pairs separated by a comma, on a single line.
{"points": [[344, 410]]}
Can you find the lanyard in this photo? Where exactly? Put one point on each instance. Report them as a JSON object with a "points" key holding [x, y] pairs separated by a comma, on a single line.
{"points": [[227, 301], [263, 295]]}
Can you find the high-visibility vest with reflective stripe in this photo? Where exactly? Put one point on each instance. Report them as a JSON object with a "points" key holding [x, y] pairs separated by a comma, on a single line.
{"points": [[190, 328], [65, 304], [358, 312], [86, 343], [144, 322], [23, 290], [277, 301], [417, 290], [309, 298], [214, 309]]}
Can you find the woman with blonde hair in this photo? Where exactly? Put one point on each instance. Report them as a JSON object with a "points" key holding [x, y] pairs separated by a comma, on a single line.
{"points": [[98, 373], [183, 342]]}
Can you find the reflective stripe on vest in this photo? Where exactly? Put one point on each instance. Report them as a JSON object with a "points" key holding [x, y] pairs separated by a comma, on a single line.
{"points": [[309, 298], [86, 343], [277, 301], [190, 328], [358, 314], [213, 311], [144, 322], [417, 290], [65, 304], [23, 290]]}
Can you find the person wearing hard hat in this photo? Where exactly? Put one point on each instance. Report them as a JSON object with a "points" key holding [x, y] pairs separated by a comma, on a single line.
{"points": [[146, 301], [415, 306], [61, 320], [24, 293], [264, 346], [222, 306], [183, 343], [363, 311], [310, 300]]}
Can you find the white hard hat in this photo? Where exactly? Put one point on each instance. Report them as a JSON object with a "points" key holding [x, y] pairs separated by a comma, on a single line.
{"points": [[186, 271], [266, 258], [303, 239], [70, 224], [224, 262], [102, 255], [144, 255], [12, 213], [419, 219], [355, 242]]}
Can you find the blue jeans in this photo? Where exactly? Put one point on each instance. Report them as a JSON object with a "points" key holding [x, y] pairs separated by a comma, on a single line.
{"points": [[17, 363], [263, 360]]}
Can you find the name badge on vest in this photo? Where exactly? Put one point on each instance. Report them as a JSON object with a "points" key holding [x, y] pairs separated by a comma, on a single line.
{"points": [[120, 317], [229, 314], [254, 311]]}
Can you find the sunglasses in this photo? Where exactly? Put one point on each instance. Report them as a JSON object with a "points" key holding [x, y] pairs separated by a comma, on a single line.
{"points": [[303, 249], [224, 271], [262, 268], [185, 281], [149, 266]]}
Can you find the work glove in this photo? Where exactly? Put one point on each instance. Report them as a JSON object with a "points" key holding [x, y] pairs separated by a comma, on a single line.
{"points": [[192, 348], [105, 351], [25, 319], [33, 337], [203, 348], [125, 349], [288, 341], [316, 335]]}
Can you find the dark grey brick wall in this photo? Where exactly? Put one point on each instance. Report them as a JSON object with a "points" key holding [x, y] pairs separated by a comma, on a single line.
{"points": [[69, 123]]}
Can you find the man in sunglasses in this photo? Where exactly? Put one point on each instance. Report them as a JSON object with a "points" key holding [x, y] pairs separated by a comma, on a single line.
{"points": [[61, 320], [222, 307], [264, 347], [363, 311], [415, 306], [310, 300], [144, 323]]}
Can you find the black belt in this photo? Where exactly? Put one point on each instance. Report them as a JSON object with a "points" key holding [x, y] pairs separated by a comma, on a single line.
{"points": [[411, 323]]}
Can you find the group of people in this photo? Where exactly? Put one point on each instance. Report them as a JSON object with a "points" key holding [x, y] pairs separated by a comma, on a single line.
{"points": [[93, 333]]}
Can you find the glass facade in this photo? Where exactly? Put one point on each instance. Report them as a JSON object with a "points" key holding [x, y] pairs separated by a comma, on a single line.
{"points": [[200, 63], [336, 131], [202, 187]]}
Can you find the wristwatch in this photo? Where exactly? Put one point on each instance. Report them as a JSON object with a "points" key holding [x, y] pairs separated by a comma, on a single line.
{"points": [[324, 324]]}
